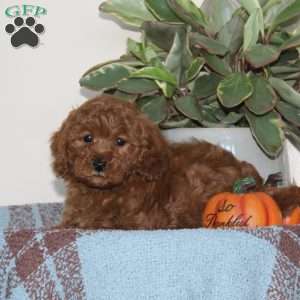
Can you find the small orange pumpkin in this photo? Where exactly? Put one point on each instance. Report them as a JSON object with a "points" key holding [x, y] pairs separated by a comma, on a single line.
{"points": [[246, 209], [293, 218]]}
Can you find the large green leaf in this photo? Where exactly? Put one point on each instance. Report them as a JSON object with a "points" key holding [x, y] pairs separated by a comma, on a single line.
{"points": [[124, 96], [253, 7], [231, 35], [252, 29], [161, 10], [267, 130], [206, 85], [232, 118], [273, 8], [292, 27], [155, 107], [151, 56], [209, 117], [285, 91], [261, 55], [289, 112], [131, 12], [290, 12], [284, 69], [293, 42], [217, 64], [234, 89], [194, 68], [145, 54], [278, 38], [288, 77], [216, 109], [218, 13], [188, 12], [179, 57], [263, 98], [137, 85], [189, 107], [210, 45], [269, 5], [106, 76], [167, 88], [161, 34], [136, 48], [156, 73], [124, 60]]}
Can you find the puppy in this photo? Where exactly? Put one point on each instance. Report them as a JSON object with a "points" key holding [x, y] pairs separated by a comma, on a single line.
{"points": [[121, 173]]}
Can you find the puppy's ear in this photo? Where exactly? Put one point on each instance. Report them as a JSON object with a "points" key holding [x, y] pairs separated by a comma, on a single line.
{"points": [[59, 151], [153, 159]]}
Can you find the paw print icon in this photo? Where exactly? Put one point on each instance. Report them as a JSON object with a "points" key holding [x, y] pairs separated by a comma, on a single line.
{"points": [[24, 32]]}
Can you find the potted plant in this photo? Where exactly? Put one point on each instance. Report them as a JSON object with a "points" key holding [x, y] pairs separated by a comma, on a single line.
{"points": [[226, 64]]}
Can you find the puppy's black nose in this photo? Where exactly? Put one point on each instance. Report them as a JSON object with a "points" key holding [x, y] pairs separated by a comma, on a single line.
{"points": [[99, 165]]}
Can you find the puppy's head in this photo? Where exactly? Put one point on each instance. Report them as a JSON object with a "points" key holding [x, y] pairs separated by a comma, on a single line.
{"points": [[105, 141]]}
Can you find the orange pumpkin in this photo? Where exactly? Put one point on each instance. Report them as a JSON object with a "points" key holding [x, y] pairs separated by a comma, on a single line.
{"points": [[293, 218], [247, 209]]}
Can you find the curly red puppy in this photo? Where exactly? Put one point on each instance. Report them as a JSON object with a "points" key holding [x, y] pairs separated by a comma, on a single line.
{"points": [[122, 174]]}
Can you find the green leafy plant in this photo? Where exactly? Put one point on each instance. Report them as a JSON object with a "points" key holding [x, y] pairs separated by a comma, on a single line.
{"points": [[227, 63]]}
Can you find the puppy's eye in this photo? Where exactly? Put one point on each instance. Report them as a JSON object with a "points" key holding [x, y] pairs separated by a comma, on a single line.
{"points": [[120, 141], [88, 139]]}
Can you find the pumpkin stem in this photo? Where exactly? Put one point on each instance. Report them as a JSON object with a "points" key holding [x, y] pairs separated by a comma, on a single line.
{"points": [[244, 185]]}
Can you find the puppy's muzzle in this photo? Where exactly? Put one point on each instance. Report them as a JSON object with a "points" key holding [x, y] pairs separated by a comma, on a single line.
{"points": [[99, 165]]}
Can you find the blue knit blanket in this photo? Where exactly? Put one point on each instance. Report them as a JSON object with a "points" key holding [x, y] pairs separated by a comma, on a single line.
{"points": [[37, 262]]}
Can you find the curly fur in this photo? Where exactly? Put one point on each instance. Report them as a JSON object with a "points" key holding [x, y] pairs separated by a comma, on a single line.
{"points": [[148, 183]]}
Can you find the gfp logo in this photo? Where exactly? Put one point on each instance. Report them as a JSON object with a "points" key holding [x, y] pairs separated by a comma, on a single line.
{"points": [[24, 29]]}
